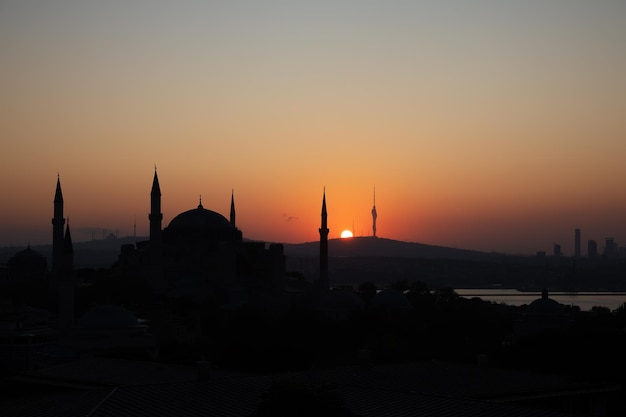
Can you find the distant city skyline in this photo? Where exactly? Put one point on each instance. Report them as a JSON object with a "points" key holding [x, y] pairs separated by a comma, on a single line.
{"points": [[493, 126]]}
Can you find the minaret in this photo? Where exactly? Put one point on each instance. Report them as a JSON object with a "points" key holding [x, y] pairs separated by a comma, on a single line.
{"points": [[68, 250], [155, 216], [156, 244], [57, 231], [232, 208], [374, 215], [66, 285], [324, 282]]}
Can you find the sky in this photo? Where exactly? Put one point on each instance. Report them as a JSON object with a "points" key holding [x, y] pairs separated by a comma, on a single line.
{"points": [[491, 125]]}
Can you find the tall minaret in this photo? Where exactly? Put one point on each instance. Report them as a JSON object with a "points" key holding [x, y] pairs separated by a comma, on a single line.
{"points": [[155, 216], [57, 231], [156, 244], [374, 215], [66, 285], [324, 282], [232, 208], [68, 249]]}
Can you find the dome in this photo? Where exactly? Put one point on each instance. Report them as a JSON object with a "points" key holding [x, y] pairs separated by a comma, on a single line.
{"points": [[391, 299], [108, 316], [27, 257], [199, 218], [544, 306], [201, 224], [27, 265]]}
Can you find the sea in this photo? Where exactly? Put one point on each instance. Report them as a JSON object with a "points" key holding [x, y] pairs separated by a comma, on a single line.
{"points": [[584, 300]]}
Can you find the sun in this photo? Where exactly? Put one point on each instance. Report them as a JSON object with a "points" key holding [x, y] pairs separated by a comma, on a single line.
{"points": [[346, 234]]}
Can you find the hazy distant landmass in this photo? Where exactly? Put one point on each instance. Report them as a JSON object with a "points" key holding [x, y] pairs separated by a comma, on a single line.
{"points": [[354, 261], [385, 261], [90, 254], [103, 253], [376, 246]]}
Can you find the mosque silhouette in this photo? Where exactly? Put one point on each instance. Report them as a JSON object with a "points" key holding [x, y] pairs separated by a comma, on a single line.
{"points": [[202, 255]]}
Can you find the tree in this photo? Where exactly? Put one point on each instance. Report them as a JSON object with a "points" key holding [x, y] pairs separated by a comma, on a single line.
{"points": [[401, 285], [367, 290]]}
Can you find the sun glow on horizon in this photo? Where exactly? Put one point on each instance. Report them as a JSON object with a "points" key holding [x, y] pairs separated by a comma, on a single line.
{"points": [[346, 234]]}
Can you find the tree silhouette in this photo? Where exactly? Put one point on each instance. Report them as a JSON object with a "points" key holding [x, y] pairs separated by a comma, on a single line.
{"points": [[367, 291]]}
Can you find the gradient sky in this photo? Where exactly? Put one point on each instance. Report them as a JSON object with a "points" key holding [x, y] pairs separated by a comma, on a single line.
{"points": [[489, 125]]}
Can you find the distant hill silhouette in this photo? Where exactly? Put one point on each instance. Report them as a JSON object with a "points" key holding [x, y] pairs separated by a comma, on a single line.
{"points": [[381, 247], [89, 254], [103, 253]]}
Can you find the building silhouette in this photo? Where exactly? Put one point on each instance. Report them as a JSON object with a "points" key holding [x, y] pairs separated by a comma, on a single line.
{"points": [[112, 328], [592, 249], [202, 255], [542, 315], [27, 266], [611, 249], [577, 243]]}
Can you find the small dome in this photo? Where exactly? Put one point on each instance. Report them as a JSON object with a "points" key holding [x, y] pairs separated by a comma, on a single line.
{"points": [[27, 265], [544, 306], [200, 223], [108, 316], [391, 299], [27, 257]]}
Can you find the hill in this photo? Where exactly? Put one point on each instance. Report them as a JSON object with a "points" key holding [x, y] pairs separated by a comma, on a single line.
{"points": [[103, 253], [90, 254], [381, 247], [384, 261]]}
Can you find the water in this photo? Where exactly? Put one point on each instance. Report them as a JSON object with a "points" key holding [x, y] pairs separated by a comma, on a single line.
{"points": [[584, 300]]}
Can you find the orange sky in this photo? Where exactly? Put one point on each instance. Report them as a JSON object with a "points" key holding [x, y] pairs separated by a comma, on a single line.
{"points": [[493, 127]]}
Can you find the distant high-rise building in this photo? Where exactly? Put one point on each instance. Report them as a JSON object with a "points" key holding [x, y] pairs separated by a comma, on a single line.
{"points": [[557, 250], [374, 215], [577, 243], [592, 248], [610, 248]]}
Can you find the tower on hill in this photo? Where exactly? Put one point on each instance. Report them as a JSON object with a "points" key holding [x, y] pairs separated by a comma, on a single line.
{"points": [[374, 215]]}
